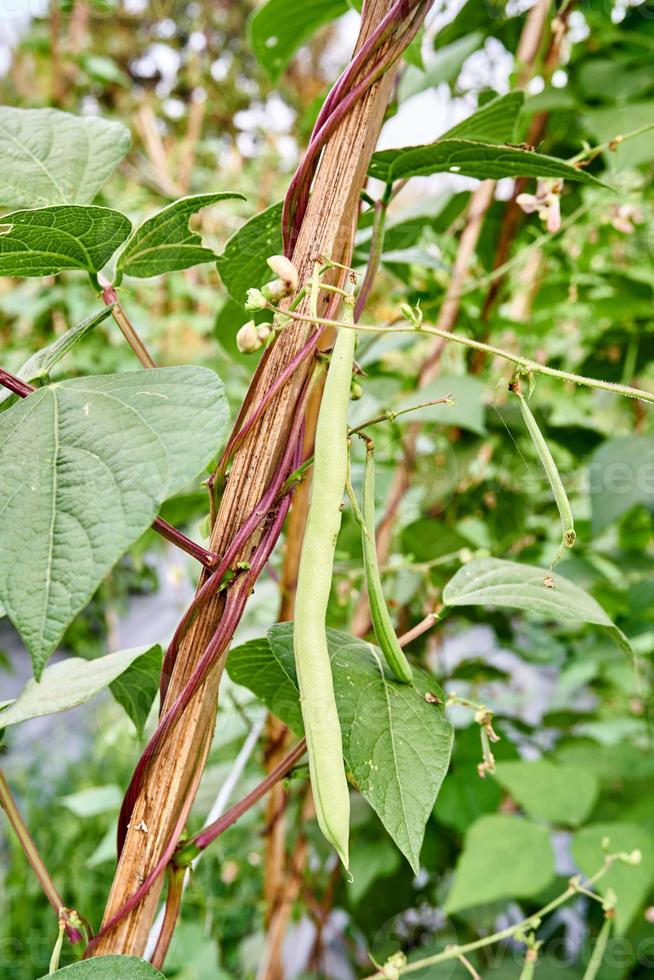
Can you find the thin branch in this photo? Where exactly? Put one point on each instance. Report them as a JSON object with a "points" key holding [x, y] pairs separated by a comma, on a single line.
{"points": [[12, 383], [207, 558], [110, 298], [9, 805], [526, 365], [390, 415], [456, 952]]}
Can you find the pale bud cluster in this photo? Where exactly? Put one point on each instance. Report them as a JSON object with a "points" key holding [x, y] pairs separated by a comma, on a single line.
{"points": [[546, 202], [252, 336]]}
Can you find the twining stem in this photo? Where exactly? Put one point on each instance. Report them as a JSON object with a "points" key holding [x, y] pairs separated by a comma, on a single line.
{"points": [[526, 365], [110, 298], [171, 914], [8, 804], [455, 952]]}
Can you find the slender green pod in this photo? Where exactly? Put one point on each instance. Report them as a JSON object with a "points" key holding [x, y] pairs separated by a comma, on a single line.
{"points": [[546, 458], [379, 614], [317, 698]]}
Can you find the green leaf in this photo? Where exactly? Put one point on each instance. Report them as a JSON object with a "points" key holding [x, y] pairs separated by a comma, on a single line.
{"points": [[243, 263], [108, 968], [446, 68], [493, 582], [70, 682], [93, 800], [468, 410], [503, 857], [37, 368], [165, 243], [495, 122], [629, 883], [396, 744], [547, 791], [52, 157], [605, 124], [136, 689], [472, 159], [620, 478], [105, 452], [46, 241], [279, 27]]}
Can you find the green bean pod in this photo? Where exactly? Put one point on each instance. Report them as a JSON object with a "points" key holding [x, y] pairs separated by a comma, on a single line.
{"points": [[379, 615], [317, 698], [561, 497]]}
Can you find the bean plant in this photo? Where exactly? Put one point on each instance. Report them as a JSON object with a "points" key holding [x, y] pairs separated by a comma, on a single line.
{"points": [[384, 418]]}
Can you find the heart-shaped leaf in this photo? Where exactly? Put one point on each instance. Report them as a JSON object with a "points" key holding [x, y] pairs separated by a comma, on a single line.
{"points": [[493, 582], [71, 682], [396, 743], [45, 241], [503, 857], [472, 159], [52, 157], [37, 367], [164, 243], [104, 453], [108, 968], [243, 263]]}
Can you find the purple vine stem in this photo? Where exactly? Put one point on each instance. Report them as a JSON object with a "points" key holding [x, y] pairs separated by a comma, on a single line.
{"points": [[12, 383], [342, 97]]}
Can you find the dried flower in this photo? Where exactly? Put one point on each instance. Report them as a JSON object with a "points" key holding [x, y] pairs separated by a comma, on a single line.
{"points": [[546, 202], [625, 216]]}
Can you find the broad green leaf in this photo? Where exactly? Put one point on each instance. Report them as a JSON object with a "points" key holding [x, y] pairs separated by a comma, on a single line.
{"points": [[446, 67], [371, 861], [630, 883], [165, 243], [547, 791], [267, 671], [503, 857], [46, 241], [52, 157], [105, 452], [396, 744], [621, 475], [467, 412], [37, 368], [108, 968], [70, 682], [472, 159], [493, 582], [136, 689], [495, 122], [464, 797], [605, 124], [243, 263], [279, 27], [93, 800]]}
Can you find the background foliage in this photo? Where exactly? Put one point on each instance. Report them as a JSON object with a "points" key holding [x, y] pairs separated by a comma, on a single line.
{"points": [[211, 109]]}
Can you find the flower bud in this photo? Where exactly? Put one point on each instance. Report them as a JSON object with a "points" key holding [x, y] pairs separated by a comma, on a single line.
{"points": [[276, 290], [256, 300], [264, 331], [247, 338], [285, 269]]}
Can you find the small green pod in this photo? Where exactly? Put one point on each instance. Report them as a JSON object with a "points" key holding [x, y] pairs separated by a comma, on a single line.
{"points": [[561, 497], [317, 698], [379, 615]]}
